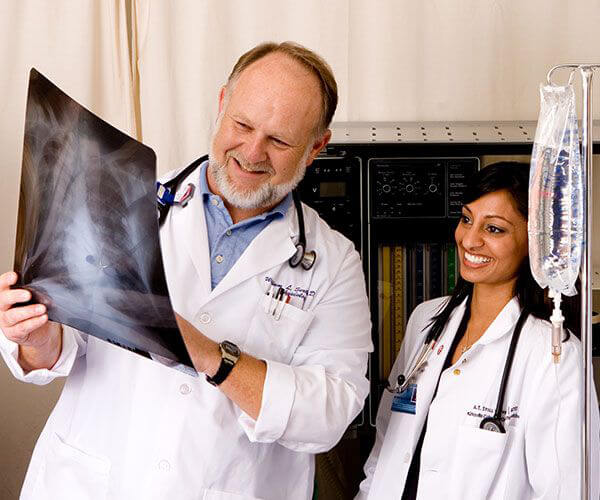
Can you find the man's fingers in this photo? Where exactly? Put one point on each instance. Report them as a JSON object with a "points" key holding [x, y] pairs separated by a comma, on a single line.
{"points": [[13, 317], [8, 298], [8, 279], [20, 333]]}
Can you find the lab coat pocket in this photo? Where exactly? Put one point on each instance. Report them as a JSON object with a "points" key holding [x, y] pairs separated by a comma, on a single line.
{"points": [[223, 495], [275, 332], [476, 461], [70, 473]]}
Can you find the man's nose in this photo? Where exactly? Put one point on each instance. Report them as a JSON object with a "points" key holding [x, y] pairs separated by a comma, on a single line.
{"points": [[256, 150]]}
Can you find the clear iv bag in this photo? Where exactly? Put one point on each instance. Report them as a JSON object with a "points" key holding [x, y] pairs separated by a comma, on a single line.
{"points": [[556, 193]]}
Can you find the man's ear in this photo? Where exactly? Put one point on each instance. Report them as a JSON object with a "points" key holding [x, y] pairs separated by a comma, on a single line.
{"points": [[318, 145], [222, 97]]}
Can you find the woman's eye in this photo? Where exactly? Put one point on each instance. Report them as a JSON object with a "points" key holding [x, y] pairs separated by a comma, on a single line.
{"points": [[465, 219], [495, 229]]}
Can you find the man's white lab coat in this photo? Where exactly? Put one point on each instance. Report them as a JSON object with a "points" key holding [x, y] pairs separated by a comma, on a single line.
{"points": [[127, 427]]}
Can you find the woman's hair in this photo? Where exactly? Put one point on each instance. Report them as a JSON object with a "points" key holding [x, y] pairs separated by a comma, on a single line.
{"points": [[514, 178]]}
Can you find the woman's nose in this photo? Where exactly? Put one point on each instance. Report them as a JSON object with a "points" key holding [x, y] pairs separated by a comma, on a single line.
{"points": [[472, 238]]}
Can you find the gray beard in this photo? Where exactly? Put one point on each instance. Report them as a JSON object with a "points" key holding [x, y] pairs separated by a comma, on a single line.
{"points": [[266, 195]]}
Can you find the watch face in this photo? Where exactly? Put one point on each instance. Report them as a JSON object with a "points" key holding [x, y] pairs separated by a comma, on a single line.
{"points": [[230, 348]]}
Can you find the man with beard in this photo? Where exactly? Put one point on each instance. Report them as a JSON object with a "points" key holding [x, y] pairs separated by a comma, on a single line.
{"points": [[284, 348]]}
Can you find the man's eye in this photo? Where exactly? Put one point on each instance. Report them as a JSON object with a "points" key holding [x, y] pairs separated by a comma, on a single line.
{"points": [[279, 142], [242, 125]]}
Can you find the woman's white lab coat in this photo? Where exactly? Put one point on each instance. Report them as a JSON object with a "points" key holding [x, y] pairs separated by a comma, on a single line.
{"points": [[538, 457], [128, 427]]}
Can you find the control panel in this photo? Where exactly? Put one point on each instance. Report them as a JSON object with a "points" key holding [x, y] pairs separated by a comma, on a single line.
{"points": [[332, 186], [418, 187]]}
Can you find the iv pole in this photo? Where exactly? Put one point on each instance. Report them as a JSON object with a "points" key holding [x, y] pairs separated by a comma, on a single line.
{"points": [[587, 145]]}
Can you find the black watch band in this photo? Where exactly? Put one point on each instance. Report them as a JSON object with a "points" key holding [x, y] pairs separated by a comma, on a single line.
{"points": [[230, 353]]}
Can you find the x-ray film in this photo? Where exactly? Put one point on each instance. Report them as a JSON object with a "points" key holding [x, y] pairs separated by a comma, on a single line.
{"points": [[87, 233]]}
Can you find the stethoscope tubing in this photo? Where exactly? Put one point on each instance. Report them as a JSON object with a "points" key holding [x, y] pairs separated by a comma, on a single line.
{"points": [[302, 258], [490, 423]]}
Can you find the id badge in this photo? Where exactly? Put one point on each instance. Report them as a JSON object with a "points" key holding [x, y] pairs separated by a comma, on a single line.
{"points": [[406, 401]]}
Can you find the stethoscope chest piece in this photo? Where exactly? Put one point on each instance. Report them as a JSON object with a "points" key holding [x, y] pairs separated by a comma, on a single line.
{"points": [[492, 424], [303, 258]]}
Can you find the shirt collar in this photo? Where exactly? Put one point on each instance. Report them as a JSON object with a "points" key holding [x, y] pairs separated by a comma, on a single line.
{"points": [[280, 209]]}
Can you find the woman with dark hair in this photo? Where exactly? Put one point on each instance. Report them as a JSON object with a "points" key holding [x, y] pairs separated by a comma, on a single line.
{"points": [[477, 408]]}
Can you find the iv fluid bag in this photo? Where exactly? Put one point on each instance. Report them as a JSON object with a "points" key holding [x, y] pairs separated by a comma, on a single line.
{"points": [[556, 193]]}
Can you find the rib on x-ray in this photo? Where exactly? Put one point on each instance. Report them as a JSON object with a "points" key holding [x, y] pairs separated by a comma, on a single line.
{"points": [[87, 233]]}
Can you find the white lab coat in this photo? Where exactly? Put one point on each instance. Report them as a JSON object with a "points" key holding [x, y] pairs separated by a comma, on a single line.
{"points": [[127, 427], [538, 457]]}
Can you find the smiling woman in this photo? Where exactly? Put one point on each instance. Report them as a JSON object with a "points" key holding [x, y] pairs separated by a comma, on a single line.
{"points": [[474, 422], [492, 240]]}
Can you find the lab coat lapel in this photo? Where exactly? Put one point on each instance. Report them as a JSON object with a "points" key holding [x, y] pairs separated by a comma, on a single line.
{"points": [[435, 363], [504, 322], [190, 225], [493, 349], [272, 247]]}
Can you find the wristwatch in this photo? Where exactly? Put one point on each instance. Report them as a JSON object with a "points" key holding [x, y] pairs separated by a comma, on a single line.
{"points": [[230, 353]]}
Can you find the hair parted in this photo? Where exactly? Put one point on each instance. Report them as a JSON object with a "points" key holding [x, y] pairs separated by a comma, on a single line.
{"points": [[307, 58]]}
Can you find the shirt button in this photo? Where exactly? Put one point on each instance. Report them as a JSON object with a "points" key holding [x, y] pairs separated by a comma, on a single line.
{"points": [[228, 232], [407, 458], [456, 371], [214, 201], [219, 259], [164, 465], [205, 318], [185, 389]]}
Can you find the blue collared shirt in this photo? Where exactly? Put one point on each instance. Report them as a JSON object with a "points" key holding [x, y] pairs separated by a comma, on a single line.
{"points": [[226, 240]]}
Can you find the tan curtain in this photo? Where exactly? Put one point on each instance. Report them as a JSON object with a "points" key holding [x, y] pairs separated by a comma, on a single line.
{"points": [[83, 47]]}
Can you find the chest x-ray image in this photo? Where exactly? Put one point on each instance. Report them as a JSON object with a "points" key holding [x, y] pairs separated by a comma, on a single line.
{"points": [[87, 232]]}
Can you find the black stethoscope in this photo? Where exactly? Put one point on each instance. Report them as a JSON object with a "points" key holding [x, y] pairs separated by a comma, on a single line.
{"points": [[493, 423], [165, 196]]}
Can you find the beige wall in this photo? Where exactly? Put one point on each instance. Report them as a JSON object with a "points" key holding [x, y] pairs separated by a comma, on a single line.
{"points": [[394, 59]]}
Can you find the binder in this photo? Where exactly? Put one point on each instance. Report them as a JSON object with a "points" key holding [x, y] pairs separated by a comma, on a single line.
{"points": [[399, 305], [385, 317]]}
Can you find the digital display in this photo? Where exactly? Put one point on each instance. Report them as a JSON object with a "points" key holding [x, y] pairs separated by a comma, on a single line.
{"points": [[332, 189]]}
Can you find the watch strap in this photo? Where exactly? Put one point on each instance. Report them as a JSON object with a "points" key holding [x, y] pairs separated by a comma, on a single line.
{"points": [[228, 361]]}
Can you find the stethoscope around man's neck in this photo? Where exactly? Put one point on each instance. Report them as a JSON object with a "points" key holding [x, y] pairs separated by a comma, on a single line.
{"points": [[494, 423], [165, 197]]}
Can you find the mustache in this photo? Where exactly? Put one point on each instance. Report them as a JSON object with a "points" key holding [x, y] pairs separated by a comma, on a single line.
{"points": [[263, 166]]}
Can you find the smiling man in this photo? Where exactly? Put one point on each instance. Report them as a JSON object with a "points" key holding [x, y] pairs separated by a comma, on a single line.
{"points": [[284, 348]]}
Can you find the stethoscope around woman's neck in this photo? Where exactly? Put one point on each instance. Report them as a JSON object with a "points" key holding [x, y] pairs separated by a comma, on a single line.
{"points": [[495, 422], [165, 197]]}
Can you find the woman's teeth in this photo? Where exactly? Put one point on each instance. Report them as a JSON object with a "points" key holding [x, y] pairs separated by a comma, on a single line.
{"points": [[475, 259]]}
